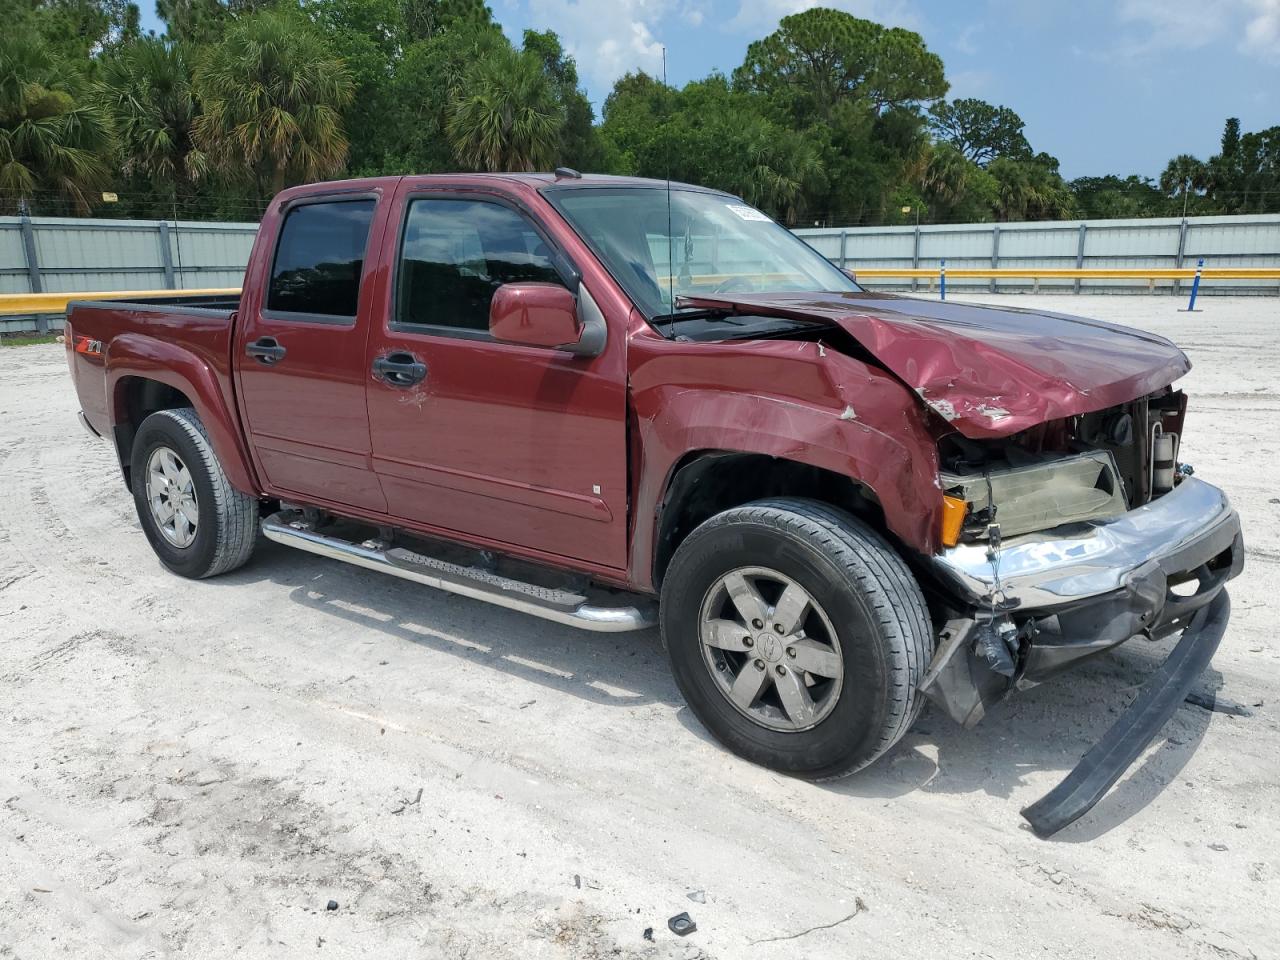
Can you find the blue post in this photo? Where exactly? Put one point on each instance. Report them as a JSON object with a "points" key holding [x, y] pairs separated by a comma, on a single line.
{"points": [[942, 278], [1195, 286]]}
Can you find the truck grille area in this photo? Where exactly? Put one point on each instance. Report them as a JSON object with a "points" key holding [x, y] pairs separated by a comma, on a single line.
{"points": [[1088, 467]]}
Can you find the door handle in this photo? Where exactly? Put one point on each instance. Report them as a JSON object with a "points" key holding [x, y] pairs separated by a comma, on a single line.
{"points": [[399, 369], [265, 350]]}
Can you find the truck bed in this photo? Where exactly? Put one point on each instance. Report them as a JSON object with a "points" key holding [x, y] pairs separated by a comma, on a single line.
{"points": [[191, 332], [196, 301]]}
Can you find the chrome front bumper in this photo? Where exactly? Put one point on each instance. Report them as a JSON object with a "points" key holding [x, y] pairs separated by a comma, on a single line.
{"points": [[1045, 572], [1076, 591]]}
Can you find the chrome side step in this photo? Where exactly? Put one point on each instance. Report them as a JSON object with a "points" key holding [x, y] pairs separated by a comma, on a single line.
{"points": [[561, 606]]}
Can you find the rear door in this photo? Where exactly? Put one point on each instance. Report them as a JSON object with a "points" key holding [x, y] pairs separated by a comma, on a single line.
{"points": [[300, 353], [514, 445]]}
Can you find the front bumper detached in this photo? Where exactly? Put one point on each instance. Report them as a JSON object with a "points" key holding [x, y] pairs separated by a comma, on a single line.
{"points": [[1159, 698], [1052, 598]]}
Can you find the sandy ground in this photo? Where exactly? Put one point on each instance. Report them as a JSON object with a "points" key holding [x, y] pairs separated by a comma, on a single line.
{"points": [[197, 768]]}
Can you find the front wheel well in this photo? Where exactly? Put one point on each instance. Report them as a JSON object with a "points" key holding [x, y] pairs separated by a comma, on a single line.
{"points": [[136, 399], [704, 484]]}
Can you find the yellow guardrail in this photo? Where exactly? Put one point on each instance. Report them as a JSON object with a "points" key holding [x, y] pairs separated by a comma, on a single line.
{"points": [[26, 304], [1069, 273], [1029, 273]]}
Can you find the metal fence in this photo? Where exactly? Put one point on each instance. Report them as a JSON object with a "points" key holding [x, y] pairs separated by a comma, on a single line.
{"points": [[1246, 241], [56, 254], [49, 255]]}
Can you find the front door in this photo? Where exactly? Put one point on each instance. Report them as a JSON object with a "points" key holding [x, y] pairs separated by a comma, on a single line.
{"points": [[300, 357], [513, 445]]}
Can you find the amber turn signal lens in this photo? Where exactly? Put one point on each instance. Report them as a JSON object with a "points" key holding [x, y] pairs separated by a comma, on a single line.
{"points": [[953, 511]]}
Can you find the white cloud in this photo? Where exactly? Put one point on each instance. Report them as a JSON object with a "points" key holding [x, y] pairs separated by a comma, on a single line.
{"points": [[761, 16], [607, 39], [1262, 30], [965, 42], [1185, 24], [693, 14], [971, 83], [1192, 24]]}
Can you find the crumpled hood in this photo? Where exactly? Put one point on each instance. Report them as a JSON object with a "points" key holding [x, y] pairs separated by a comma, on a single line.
{"points": [[989, 371]]}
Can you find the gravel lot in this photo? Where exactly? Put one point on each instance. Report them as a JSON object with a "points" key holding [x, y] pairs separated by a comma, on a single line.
{"points": [[197, 768]]}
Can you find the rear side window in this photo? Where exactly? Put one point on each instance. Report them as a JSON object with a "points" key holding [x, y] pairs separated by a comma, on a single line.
{"points": [[456, 253], [319, 259]]}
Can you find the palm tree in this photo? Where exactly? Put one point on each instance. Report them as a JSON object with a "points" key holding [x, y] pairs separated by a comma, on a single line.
{"points": [[945, 176], [780, 168], [272, 96], [149, 94], [1183, 175], [1030, 190], [506, 115], [53, 137]]}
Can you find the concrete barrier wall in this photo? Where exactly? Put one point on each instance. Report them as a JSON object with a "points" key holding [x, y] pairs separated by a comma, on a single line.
{"points": [[1247, 241]]}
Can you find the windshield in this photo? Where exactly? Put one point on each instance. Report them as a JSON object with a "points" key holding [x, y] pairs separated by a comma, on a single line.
{"points": [[713, 245]]}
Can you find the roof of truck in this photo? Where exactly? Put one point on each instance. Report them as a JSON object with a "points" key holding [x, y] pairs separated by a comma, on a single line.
{"points": [[539, 180], [599, 179]]}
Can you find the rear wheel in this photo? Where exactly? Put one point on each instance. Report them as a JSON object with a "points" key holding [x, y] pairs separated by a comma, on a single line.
{"points": [[797, 635], [197, 523]]}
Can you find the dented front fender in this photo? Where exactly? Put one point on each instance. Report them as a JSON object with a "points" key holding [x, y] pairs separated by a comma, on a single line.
{"points": [[797, 401]]}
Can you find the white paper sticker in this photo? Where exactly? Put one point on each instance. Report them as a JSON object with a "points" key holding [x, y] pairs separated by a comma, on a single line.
{"points": [[747, 213]]}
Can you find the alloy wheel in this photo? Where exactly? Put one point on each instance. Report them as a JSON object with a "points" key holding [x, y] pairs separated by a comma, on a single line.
{"points": [[771, 649]]}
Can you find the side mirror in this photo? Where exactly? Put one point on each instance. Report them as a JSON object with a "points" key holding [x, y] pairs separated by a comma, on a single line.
{"points": [[535, 314]]}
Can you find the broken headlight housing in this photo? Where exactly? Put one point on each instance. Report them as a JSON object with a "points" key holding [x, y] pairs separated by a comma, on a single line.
{"points": [[1038, 496]]}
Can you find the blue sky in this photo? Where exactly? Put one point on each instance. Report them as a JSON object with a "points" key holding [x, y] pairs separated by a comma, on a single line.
{"points": [[1107, 87]]}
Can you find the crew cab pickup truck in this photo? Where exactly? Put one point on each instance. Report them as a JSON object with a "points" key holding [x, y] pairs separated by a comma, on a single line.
{"points": [[613, 402]]}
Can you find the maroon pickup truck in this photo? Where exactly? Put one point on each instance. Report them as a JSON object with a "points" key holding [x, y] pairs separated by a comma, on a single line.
{"points": [[573, 396]]}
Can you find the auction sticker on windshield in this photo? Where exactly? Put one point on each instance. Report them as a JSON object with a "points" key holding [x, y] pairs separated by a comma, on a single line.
{"points": [[747, 213]]}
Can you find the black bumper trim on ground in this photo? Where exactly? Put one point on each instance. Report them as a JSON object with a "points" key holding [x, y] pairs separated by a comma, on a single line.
{"points": [[1159, 698]]}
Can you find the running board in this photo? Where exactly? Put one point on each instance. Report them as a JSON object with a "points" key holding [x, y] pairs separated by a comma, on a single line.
{"points": [[561, 606]]}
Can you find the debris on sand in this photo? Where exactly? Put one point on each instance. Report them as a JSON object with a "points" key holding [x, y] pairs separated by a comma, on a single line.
{"points": [[1216, 704], [681, 925]]}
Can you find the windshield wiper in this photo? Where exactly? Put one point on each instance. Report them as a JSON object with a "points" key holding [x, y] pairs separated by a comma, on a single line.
{"points": [[702, 313]]}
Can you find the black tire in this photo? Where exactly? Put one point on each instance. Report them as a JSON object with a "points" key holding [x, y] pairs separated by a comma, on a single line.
{"points": [[871, 599], [227, 523]]}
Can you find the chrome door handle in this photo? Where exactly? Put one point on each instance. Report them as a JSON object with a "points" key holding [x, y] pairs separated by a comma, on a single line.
{"points": [[265, 350], [400, 369]]}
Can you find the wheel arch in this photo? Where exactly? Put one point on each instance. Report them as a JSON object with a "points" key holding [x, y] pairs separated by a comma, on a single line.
{"points": [[706, 482], [145, 375]]}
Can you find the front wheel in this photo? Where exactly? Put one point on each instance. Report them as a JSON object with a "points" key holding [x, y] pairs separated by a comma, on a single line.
{"points": [[797, 635], [198, 524]]}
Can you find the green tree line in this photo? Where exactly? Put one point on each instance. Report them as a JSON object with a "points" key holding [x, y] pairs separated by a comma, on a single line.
{"points": [[829, 119]]}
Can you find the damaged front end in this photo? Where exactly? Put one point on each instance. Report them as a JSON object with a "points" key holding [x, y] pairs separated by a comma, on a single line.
{"points": [[1077, 536]]}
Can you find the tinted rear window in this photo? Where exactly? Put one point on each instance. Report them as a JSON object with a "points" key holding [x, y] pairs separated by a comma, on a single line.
{"points": [[319, 258]]}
